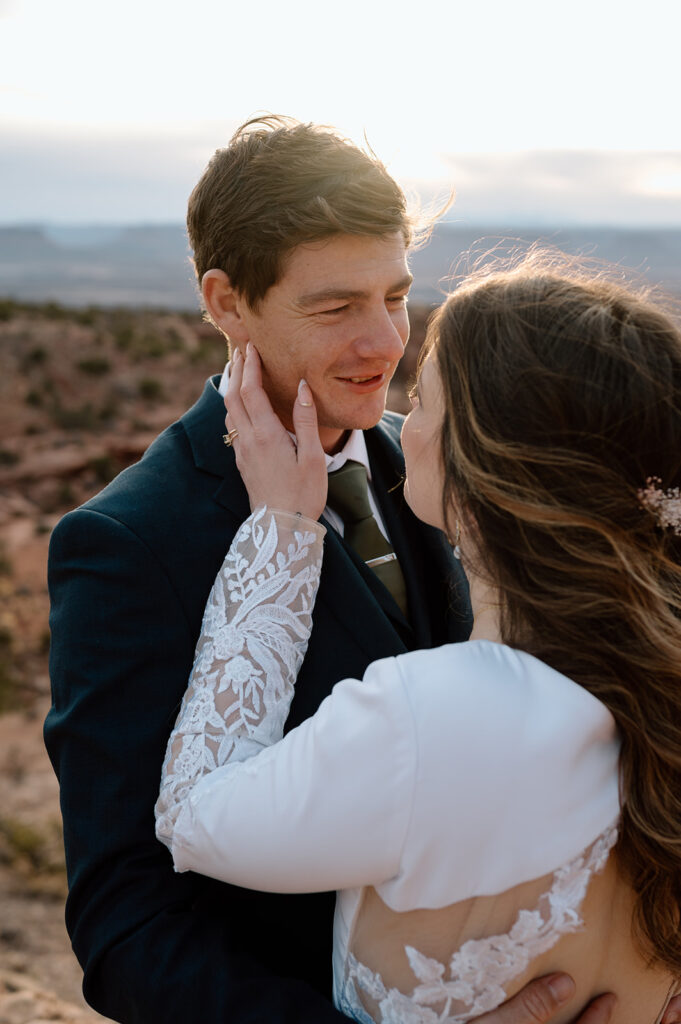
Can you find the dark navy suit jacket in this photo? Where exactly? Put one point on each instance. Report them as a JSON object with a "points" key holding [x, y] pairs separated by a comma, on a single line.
{"points": [[129, 575]]}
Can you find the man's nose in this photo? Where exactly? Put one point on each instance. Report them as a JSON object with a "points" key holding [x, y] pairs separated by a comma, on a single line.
{"points": [[383, 337]]}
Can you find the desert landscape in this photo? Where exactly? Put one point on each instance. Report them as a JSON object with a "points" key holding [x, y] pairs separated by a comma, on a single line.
{"points": [[84, 389], [82, 394]]}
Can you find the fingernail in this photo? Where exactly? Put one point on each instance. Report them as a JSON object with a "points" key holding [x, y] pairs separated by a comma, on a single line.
{"points": [[304, 393], [236, 355], [249, 348], [562, 987]]}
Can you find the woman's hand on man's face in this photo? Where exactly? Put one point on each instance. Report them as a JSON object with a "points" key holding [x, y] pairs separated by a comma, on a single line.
{"points": [[276, 472]]}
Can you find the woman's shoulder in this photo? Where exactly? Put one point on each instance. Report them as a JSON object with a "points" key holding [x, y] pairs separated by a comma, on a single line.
{"points": [[484, 658], [480, 675], [511, 755], [503, 697]]}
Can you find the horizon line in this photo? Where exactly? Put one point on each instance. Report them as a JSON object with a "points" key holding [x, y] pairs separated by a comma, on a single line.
{"points": [[626, 225]]}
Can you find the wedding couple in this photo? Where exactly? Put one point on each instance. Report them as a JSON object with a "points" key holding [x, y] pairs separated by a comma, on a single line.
{"points": [[473, 796]]}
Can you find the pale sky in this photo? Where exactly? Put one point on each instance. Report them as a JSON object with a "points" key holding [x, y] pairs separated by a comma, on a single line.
{"points": [[527, 108]]}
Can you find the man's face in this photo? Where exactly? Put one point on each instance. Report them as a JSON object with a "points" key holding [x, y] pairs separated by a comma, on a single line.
{"points": [[338, 318]]}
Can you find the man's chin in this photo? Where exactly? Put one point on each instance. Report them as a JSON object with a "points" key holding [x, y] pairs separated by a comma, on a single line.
{"points": [[362, 418]]}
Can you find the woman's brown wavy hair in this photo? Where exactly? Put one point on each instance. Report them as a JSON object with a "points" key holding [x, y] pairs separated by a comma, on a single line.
{"points": [[563, 395]]}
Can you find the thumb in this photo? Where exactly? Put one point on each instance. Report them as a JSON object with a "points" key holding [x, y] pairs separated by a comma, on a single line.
{"points": [[537, 1003], [305, 422]]}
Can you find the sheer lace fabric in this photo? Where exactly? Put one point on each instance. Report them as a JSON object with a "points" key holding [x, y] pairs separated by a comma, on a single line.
{"points": [[253, 639], [474, 980]]}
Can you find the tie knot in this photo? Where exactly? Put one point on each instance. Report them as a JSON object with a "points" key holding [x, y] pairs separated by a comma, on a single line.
{"points": [[349, 492]]}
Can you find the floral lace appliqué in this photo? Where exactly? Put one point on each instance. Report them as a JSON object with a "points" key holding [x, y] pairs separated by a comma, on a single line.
{"points": [[475, 979], [253, 639]]}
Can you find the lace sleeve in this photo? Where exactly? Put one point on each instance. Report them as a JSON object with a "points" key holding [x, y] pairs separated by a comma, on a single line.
{"points": [[253, 640]]}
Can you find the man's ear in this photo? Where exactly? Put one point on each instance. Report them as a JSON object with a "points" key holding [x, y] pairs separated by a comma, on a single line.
{"points": [[224, 305]]}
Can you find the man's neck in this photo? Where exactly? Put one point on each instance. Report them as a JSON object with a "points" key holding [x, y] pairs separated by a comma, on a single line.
{"points": [[334, 443]]}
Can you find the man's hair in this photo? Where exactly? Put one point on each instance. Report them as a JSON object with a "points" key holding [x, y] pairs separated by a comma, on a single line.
{"points": [[562, 397], [278, 184]]}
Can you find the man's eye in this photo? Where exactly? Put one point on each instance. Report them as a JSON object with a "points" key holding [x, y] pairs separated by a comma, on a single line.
{"points": [[336, 309], [399, 300]]}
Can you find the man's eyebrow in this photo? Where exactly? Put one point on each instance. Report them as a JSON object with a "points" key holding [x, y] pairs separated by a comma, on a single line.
{"points": [[338, 294]]}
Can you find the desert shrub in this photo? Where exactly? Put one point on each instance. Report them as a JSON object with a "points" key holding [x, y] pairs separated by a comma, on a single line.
{"points": [[148, 345], [65, 495], [37, 356], [8, 696], [8, 308], [82, 417], [95, 366], [87, 317], [23, 842], [174, 340], [205, 352], [108, 410], [150, 388], [123, 334], [104, 468], [34, 398], [8, 458], [5, 564], [36, 851], [52, 310]]}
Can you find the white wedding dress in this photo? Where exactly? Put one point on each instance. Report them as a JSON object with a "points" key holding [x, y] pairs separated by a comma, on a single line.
{"points": [[459, 799]]}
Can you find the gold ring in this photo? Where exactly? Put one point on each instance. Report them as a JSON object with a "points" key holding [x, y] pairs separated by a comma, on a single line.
{"points": [[228, 438]]}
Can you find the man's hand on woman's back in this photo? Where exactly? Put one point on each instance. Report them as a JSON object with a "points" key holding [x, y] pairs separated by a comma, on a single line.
{"points": [[541, 1000]]}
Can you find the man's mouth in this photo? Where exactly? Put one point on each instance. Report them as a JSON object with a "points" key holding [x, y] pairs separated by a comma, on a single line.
{"points": [[364, 383]]}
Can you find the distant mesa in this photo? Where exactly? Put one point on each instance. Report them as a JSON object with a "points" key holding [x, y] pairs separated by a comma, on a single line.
{"points": [[148, 266]]}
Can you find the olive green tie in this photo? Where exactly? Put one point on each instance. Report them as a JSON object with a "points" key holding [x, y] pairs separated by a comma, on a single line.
{"points": [[349, 497]]}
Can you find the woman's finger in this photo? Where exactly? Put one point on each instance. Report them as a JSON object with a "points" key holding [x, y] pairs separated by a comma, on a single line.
{"points": [[314, 479], [232, 431], [305, 426], [235, 407], [258, 407]]}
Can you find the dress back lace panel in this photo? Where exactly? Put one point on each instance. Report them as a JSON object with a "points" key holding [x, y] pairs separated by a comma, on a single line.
{"points": [[475, 978]]}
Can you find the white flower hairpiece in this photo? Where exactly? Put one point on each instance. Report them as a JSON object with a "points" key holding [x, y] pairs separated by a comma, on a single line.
{"points": [[665, 505]]}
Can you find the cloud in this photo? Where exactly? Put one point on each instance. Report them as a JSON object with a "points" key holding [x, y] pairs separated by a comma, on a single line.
{"points": [[132, 176], [86, 177], [566, 186]]}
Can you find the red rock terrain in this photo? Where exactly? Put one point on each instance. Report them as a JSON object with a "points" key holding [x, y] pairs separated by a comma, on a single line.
{"points": [[82, 393]]}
